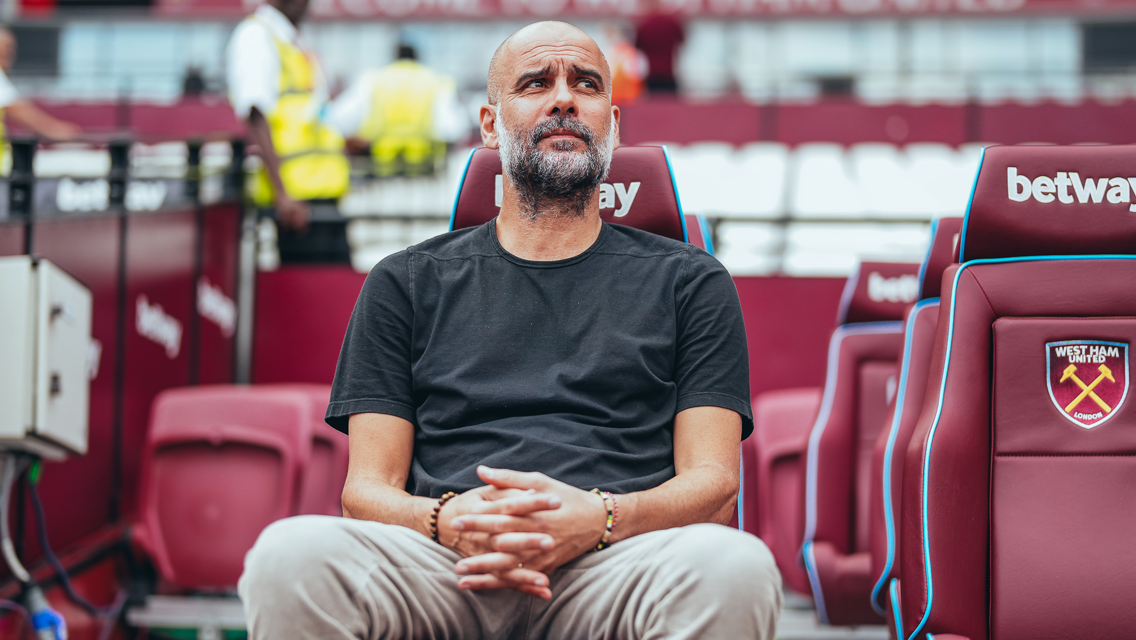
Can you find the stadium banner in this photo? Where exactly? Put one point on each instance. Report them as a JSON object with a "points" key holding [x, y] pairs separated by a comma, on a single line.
{"points": [[521, 9]]}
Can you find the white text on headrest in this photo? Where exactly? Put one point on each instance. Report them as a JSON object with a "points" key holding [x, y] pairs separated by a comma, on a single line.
{"points": [[617, 195], [1045, 189], [904, 288]]}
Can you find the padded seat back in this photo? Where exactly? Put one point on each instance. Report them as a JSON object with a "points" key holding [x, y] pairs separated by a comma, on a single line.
{"points": [[1016, 519], [859, 383], [221, 463], [639, 192], [891, 444]]}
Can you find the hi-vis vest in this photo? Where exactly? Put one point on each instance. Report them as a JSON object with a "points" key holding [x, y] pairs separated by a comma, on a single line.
{"points": [[312, 164], [5, 146], [400, 125]]}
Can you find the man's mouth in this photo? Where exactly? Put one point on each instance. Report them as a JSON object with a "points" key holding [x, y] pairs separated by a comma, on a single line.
{"points": [[561, 134]]}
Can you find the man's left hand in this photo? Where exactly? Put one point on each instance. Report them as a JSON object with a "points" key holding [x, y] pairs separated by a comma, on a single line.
{"points": [[575, 527]]}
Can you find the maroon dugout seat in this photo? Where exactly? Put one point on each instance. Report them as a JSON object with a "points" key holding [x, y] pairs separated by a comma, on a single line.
{"points": [[859, 384], [915, 363], [639, 192], [220, 464], [321, 489], [783, 419], [1016, 516]]}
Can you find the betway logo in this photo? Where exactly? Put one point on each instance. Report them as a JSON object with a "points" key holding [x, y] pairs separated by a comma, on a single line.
{"points": [[153, 323], [93, 195], [617, 195], [146, 196], [1046, 189], [214, 305], [903, 288]]}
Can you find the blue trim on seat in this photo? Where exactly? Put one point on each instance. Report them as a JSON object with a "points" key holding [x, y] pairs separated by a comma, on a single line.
{"points": [[893, 433], [969, 204], [741, 491], [454, 212], [704, 226], [847, 295], [926, 471], [817, 430], [927, 257], [678, 200], [893, 593], [814, 580]]}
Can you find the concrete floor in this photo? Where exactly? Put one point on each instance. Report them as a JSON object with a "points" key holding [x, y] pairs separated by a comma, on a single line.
{"points": [[798, 622]]}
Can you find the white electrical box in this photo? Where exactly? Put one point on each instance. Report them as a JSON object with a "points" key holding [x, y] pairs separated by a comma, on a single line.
{"points": [[45, 337]]}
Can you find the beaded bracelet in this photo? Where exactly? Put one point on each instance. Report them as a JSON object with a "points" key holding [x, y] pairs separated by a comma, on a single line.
{"points": [[612, 515], [434, 515]]}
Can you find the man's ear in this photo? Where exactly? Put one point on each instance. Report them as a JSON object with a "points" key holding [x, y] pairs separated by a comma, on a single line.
{"points": [[489, 125], [615, 122]]}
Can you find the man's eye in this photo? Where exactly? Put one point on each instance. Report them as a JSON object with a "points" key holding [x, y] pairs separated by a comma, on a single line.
{"points": [[536, 83]]}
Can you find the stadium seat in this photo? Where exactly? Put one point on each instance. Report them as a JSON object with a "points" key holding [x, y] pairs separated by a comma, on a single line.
{"points": [[872, 303], [642, 174], [859, 384], [321, 490], [220, 464], [1016, 518], [915, 362]]}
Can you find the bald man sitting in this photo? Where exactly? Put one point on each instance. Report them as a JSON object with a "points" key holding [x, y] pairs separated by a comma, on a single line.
{"points": [[545, 414]]}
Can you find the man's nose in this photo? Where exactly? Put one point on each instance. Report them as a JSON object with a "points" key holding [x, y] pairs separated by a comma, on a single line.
{"points": [[563, 100]]}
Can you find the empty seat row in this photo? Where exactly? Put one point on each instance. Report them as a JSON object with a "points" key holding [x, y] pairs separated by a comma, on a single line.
{"points": [[990, 502]]}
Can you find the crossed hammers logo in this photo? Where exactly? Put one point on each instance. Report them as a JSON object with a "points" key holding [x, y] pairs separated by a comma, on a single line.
{"points": [[1087, 389]]}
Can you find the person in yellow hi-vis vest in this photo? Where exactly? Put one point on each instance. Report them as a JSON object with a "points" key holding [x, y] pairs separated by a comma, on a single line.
{"points": [[405, 112], [24, 111], [277, 88]]}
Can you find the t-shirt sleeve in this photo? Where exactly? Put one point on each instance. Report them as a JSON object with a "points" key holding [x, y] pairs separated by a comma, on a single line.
{"points": [[712, 363], [252, 67], [373, 373], [8, 92]]}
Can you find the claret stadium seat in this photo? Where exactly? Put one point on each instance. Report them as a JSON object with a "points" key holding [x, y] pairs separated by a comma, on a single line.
{"points": [[1016, 519], [870, 310], [321, 490], [639, 192], [220, 464], [915, 363], [859, 384]]}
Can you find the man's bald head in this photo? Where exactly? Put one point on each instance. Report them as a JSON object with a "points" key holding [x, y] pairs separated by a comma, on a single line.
{"points": [[548, 32]]}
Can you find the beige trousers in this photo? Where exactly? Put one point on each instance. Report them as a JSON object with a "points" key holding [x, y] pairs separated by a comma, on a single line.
{"points": [[319, 577]]}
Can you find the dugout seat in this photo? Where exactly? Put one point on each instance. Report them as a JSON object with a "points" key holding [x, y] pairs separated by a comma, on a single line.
{"points": [[639, 192], [1016, 518], [915, 363], [859, 384], [221, 463], [321, 490], [873, 301]]}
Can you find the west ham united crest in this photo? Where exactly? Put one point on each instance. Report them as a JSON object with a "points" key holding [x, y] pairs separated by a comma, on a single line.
{"points": [[1088, 379]]}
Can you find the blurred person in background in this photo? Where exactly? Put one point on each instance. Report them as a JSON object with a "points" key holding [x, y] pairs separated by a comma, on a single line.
{"points": [[277, 88], [406, 113], [628, 65], [659, 35], [22, 110]]}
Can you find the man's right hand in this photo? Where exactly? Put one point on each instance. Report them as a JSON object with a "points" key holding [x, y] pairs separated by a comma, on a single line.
{"points": [[292, 214], [521, 547]]}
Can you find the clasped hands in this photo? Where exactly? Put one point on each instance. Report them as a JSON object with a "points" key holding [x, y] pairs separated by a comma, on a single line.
{"points": [[518, 528]]}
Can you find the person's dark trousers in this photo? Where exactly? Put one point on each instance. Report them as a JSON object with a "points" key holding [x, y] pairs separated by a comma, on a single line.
{"points": [[323, 242], [662, 85]]}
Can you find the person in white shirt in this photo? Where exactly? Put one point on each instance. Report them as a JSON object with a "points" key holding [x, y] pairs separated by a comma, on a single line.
{"points": [[406, 114], [277, 88], [22, 110]]}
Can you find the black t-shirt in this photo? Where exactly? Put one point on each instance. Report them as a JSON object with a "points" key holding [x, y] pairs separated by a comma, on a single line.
{"points": [[574, 368]]}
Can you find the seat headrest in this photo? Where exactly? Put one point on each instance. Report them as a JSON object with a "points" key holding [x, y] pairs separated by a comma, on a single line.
{"points": [[879, 292], [940, 254], [639, 192], [1052, 200]]}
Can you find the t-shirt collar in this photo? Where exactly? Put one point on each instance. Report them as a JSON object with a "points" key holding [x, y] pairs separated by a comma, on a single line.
{"points": [[490, 228], [278, 23]]}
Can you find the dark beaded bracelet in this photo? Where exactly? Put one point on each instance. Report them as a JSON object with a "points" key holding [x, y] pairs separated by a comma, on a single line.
{"points": [[612, 509], [434, 515]]}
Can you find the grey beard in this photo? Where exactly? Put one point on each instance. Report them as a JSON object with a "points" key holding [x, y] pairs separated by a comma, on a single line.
{"points": [[560, 181]]}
